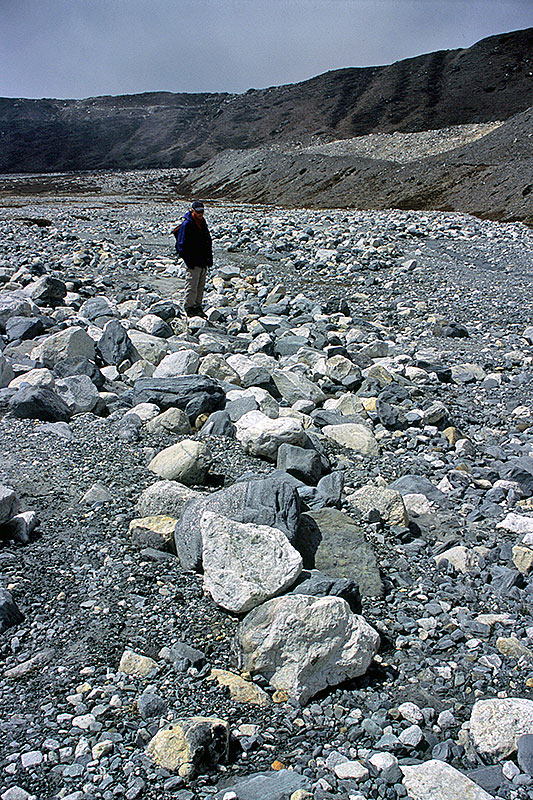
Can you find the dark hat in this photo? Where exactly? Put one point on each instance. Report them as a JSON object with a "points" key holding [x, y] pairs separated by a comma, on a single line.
{"points": [[197, 205]]}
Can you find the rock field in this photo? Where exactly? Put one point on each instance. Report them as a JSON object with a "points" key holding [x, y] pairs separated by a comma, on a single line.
{"points": [[285, 552]]}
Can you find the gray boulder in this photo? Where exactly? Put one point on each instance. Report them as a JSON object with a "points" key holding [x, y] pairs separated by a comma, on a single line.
{"points": [[39, 402], [8, 503], [417, 484], [270, 785], [194, 394], [14, 304], [271, 502], [47, 291], [306, 465], [10, 614], [334, 543], [58, 346], [6, 372], [219, 424], [114, 346], [316, 584], [79, 393], [519, 470]]}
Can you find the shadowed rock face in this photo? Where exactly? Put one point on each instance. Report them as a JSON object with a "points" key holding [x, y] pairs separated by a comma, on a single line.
{"points": [[488, 81]]}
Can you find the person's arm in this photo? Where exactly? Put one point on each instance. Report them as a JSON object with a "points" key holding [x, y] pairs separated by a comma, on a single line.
{"points": [[181, 242]]}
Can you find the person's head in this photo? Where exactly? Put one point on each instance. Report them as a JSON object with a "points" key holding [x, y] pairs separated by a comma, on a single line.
{"points": [[197, 209]]}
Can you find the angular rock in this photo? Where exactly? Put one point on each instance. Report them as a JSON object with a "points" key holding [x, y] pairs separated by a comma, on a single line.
{"points": [[354, 436], [58, 346], [156, 532], [149, 348], [461, 558], [240, 690], [10, 614], [98, 307], [386, 504], [303, 644], [250, 373], [262, 436], [186, 462], [282, 785], [496, 724], [39, 402], [306, 465], [155, 326], [334, 543], [8, 503], [164, 498], [435, 780], [293, 386], [519, 470], [114, 346], [189, 745], [184, 362], [173, 419], [219, 424], [272, 502], [78, 392], [244, 563], [78, 365], [24, 328], [135, 664], [34, 377], [14, 304], [182, 656], [194, 394], [315, 583], [47, 290], [6, 372]]}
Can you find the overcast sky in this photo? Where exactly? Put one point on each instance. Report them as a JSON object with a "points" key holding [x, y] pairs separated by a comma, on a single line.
{"points": [[83, 48]]}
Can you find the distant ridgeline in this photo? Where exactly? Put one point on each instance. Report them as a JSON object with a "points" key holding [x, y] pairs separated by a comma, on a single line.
{"points": [[492, 80]]}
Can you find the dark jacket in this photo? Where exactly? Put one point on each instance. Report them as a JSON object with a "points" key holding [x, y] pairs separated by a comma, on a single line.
{"points": [[193, 243]]}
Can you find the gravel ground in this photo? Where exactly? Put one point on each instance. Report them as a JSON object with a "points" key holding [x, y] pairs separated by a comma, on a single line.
{"points": [[87, 594]]}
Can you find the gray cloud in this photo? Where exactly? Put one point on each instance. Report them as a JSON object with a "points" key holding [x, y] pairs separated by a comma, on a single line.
{"points": [[82, 48]]}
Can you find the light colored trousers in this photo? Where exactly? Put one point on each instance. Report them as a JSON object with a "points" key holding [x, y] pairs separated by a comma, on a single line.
{"points": [[194, 286]]}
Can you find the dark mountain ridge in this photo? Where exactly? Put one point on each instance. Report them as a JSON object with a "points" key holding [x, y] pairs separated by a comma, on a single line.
{"points": [[492, 80]]}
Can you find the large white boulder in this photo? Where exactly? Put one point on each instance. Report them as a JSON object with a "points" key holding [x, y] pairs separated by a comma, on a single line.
{"points": [[496, 724], [303, 644], [261, 436], [245, 564]]}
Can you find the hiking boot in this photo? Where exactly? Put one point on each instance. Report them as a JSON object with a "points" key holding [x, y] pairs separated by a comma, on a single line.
{"points": [[199, 312]]}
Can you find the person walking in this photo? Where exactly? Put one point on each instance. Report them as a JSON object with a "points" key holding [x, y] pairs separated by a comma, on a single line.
{"points": [[194, 246]]}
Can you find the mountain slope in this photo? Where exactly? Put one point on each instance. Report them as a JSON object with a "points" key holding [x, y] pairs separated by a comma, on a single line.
{"points": [[491, 80], [490, 177]]}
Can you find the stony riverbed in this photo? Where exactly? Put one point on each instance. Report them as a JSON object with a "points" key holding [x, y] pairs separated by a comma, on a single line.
{"points": [[417, 329]]}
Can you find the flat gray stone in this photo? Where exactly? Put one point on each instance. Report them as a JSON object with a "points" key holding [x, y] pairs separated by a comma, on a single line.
{"points": [[334, 543]]}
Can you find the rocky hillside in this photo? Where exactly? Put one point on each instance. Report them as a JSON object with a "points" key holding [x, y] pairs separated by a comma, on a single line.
{"points": [[489, 177], [491, 80]]}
